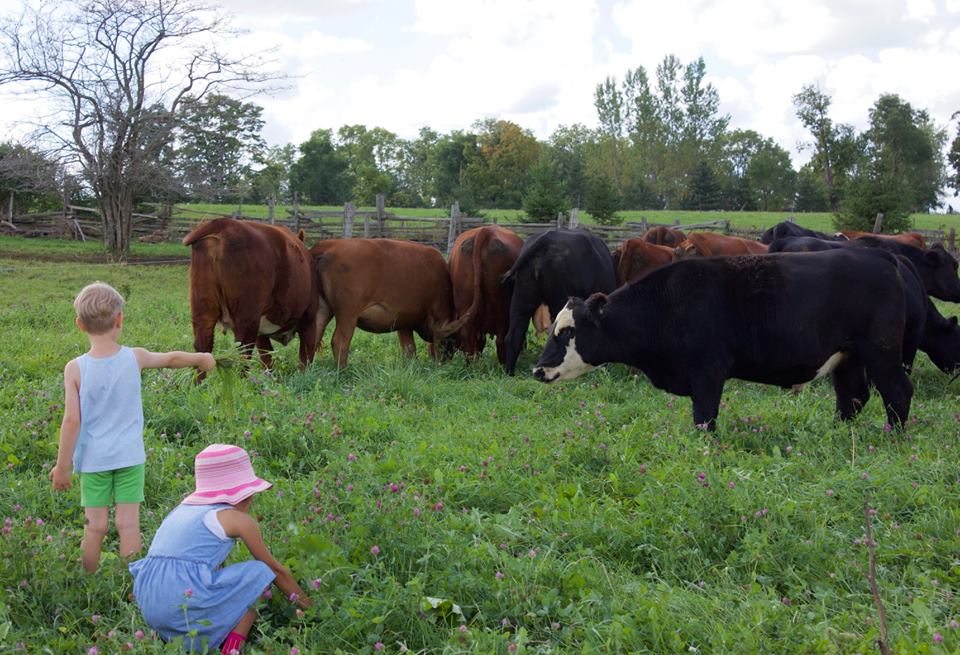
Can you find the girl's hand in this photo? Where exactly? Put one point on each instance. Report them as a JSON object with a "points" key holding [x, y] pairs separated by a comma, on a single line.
{"points": [[206, 362], [61, 478]]}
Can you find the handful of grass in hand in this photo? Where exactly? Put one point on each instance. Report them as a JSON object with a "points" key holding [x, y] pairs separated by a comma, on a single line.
{"points": [[231, 365]]}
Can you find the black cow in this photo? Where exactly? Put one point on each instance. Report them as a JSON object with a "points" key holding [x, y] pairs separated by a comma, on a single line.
{"points": [[776, 319], [935, 335], [551, 267], [788, 230], [937, 267]]}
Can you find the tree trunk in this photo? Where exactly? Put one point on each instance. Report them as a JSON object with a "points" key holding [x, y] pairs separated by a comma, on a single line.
{"points": [[116, 216]]}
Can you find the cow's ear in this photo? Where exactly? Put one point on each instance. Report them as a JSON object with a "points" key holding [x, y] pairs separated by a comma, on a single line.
{"points": [[595, 306]]}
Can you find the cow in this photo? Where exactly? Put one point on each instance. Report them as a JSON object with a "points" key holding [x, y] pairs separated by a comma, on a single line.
{"points": [[663, 236], [708, 244], [927, 329], [551, 267], [778, 319], [384, 285], [477, 261], [637, 258], [255, 279], [909, 238], [936, 267], [789, 230]]}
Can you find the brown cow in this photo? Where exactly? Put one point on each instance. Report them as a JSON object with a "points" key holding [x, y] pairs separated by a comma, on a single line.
{"points": [[637, 258], [910, 238], [383, 285], [478, 259], [257, 280], [663, 236], [707, 244]]}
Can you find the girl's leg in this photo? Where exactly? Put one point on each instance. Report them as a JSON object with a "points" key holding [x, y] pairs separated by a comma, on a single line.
{"points": [[127, 519], [234, 640], [93, 534]]}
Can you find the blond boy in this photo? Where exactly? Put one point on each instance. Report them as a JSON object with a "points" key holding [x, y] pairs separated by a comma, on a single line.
{"points": [[102, 429]]}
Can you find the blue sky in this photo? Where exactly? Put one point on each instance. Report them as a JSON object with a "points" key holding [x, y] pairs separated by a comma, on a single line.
{"points": [[446, 63]]}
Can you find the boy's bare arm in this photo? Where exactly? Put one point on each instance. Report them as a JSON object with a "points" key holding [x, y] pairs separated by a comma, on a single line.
{"points": [[69, 427], [174, 359], [238, 524]]}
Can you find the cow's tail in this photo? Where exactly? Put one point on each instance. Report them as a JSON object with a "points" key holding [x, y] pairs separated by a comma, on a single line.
{"points": [[480, 243], [530, 250], [206, 230]]}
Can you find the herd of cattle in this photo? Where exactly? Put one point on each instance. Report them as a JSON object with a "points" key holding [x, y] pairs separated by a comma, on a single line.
{"points": [[689, 311]]}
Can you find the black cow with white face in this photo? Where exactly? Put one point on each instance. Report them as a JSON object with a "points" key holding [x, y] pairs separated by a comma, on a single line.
{"points": [[780, 319], [551, 267], [937, 267]]}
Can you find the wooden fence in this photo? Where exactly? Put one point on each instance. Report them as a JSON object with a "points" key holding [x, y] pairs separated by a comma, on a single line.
{"points": [[83, 223]]}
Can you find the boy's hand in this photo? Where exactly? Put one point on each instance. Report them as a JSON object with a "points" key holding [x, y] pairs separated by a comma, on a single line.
{"points": [[61, 478], [207, 363]]}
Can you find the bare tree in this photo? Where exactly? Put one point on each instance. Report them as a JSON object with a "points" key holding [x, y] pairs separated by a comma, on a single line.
{"points": [[116, 73]]}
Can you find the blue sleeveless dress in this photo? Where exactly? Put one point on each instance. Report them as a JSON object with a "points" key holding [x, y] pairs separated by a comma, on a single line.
{"points": [[185, 555]]}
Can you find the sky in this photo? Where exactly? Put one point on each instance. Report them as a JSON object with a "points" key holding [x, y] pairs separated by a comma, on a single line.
{"points": [[405, 64]]}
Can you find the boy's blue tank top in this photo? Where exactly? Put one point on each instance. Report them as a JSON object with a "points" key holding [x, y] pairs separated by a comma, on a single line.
{"points": [[111, 413]]}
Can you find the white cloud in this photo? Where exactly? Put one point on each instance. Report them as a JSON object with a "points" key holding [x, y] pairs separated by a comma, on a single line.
{"points": [[318, 44], [922, 10]]}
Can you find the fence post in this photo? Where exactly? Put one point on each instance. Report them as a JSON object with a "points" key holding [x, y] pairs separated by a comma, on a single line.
{"points": [[878, 224], [348, 211], [676, 222], [643, 224], [952, 239], [454, 220], [559, 220], [574, 217], [296, 213], [366, 226], [381, 214], [272, 210]]}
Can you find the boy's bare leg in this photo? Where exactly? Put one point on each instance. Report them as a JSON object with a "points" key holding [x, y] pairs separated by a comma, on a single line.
{"points": [[127, 519], [93, 534]]}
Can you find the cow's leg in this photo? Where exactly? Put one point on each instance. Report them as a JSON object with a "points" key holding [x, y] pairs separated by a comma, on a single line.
{"points": [[705, 392], [203, 336], [407, 344], [265, 348], [340, 344], [522, 307], [247, 333], [850, 385], [324, 316], [894, 386], [308, 342]]}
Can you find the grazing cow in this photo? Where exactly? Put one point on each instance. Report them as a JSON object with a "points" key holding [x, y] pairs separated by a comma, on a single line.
{"points": [[909, 238], [637, 258], [553, 266], [257, 280], [479, 258], [383, 285], [778, 319], [708, 244], [790, 230], [927, 329], [936, 267], [663, 236]]}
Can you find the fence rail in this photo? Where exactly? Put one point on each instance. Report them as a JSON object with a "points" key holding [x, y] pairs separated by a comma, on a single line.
{"points": [[82, 223]]}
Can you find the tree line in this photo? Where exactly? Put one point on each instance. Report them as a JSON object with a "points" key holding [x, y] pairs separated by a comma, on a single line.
{"points": [[660, 141]]}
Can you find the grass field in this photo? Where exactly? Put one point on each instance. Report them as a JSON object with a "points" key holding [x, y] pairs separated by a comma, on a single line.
{"points": [[509, 516]]}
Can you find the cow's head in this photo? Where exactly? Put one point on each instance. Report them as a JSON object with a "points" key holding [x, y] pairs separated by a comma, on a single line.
{"points": [[687, 248], [941, 342], [943, 273], [578, 320]]}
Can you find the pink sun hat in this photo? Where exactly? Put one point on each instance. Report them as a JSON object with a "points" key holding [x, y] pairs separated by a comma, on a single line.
{"points": [[224, 475]]}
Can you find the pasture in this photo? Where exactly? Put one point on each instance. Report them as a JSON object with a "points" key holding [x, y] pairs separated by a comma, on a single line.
{"points": [[508, 516]]}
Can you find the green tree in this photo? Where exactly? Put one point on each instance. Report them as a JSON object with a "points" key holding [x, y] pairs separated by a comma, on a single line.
{"points": [[703, 191], [449, 158], [603, 201], [568, 147], [771, 178], [812, 194], [271, 182], [900, 171], [374, 158], [544, 197], [953, 157], [217, 142], [28, 180], [320, 175], [507, 154], [836, 149]]}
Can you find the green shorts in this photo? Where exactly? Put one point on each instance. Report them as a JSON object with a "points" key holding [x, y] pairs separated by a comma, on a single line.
{"points": [[106, 488]]}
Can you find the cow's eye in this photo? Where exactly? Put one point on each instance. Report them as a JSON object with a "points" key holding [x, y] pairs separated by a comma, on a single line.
{"points": [[567, 332]]}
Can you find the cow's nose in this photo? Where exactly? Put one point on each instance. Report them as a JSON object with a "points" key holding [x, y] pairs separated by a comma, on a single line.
{"points": [[539, 374]]}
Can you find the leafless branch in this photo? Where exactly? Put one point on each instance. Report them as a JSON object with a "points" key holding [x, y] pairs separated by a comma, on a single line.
{"points": [[882, 643]]}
